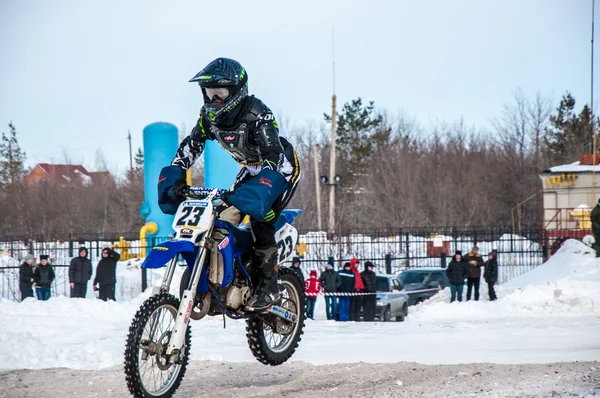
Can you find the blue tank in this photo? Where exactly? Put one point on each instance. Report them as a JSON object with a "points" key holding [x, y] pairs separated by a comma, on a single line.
{"points": [[160, 144], [219, 167]]}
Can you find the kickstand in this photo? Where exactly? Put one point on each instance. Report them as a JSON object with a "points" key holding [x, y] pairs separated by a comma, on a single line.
{"points": [[224, 324]]}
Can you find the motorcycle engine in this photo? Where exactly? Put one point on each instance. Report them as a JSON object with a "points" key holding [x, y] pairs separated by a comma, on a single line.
{"points": [[236, 296]]}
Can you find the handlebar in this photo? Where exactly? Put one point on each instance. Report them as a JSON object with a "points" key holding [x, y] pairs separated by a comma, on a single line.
{"points": [[201, 192]]}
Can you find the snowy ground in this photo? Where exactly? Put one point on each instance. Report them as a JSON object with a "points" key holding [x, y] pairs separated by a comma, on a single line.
{"points": [[549, 315], [301, 380]]}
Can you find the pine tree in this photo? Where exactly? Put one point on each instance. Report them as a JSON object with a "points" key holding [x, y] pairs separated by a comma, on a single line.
{"points": [[570, 134], [138, 161], [359, 130], [12, 159]]}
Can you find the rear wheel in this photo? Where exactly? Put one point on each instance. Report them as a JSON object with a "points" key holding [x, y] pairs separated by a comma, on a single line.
{"points": [[147, 368], [273, 340]]}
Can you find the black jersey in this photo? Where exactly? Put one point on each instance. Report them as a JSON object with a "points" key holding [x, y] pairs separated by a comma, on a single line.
{"points": [[252, 140]]}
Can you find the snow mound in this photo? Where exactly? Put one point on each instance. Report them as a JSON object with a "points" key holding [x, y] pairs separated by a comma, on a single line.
{"points": [[574, 261]]}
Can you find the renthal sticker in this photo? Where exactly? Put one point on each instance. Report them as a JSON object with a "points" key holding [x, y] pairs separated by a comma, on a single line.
{"points": [[223, 244], [196, 203]]}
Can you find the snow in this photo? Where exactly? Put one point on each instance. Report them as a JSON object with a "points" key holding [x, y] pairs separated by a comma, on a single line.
{"points": [[574, 167], [550, 314]]}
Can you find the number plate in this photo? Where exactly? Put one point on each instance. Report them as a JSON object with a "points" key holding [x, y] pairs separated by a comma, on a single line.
{"points": [[192, 214]]}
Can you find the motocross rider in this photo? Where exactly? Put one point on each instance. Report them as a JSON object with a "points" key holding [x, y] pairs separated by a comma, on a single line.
{"points": [[247, 129]]}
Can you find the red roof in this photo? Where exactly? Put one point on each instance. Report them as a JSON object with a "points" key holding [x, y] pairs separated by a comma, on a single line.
{"points": [[68, 173]]}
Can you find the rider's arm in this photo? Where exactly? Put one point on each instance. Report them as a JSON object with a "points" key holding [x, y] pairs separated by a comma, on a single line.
{"points": [[191, 147]]}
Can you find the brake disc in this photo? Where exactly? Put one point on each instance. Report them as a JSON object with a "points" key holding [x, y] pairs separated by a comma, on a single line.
{"points": [[162, 359]]}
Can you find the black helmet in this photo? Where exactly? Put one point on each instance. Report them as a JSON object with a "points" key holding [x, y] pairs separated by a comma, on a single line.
{"points": [[224, 84]]}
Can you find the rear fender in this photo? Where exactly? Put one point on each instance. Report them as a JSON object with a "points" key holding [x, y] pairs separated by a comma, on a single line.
{"points": [[161, 254]]}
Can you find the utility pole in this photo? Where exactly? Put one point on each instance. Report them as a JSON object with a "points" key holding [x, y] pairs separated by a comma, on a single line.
{"points": [[130, 154], [332, 151], [317, 185], [594, 133]]}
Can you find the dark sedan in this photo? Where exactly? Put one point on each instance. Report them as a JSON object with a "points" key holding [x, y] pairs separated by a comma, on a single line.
{"points": [[430, 279]]}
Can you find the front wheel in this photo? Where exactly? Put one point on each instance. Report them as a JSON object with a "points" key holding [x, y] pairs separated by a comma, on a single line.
{"points": [[403, 314], [147, 368], [386, 315], [275, 341]]}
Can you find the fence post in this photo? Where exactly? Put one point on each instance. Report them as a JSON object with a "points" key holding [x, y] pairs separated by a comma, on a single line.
{"points": [[330, 261], [545, 246], [407, 236], [443, 260], [388, 263]]}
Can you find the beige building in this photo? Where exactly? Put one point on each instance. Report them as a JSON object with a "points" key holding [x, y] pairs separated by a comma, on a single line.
{"points": [[569, 196]]}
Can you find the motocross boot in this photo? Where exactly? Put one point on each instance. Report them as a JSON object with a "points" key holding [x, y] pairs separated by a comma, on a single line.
{"points": [[267, 293]]}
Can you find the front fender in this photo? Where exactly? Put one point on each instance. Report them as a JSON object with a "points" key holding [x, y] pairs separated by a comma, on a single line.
{"points": [[161, 254]]}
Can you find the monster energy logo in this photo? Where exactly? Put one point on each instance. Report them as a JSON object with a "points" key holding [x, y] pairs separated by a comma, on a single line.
{"points": [[212, 116]]}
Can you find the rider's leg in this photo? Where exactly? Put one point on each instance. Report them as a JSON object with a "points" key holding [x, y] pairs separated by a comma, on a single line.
{"points": [[266, 258], [265, 249]]}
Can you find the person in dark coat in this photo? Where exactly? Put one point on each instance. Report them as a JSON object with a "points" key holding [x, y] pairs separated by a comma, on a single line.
{"points": [[490, 274], [347, 277], [370, 286], [330, 282], [43, 275], [80, 272], [457, 273], [475, 262], [595, 219], [106, 277], [296, 268], [26, 277]]}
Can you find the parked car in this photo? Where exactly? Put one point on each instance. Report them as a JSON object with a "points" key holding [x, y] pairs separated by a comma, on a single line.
{"points": [[390, 305], [421, 279]]}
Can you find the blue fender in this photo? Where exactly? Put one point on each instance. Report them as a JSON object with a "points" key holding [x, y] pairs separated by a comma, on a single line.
{"points": [[161, 254]]}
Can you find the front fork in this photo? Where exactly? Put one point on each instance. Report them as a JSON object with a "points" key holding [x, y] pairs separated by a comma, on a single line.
{"points": [[187, 300]]}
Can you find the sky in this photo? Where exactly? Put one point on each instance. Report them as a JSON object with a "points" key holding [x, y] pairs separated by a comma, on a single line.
{"points": [[76, 76]]}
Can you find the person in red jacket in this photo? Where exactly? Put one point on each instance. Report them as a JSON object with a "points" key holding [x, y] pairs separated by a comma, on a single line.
{"points": [[356, 302], [312, 287]]}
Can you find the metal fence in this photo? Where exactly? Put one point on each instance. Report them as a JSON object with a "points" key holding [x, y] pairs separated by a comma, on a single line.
{"points": [[391, 251]]}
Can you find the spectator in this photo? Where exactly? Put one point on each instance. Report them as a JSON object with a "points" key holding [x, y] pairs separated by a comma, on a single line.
{"points": [[595, 219], [457, 273], [312, 287], [26, 277], [370, 282], [347, 277], [106, 277], [490, 274], [43, 275], [356, 302], [296, 267], [80, 272], [475, 262], [330, 282]]}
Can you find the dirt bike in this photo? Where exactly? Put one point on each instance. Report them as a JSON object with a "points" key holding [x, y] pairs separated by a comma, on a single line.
{"points": [[220, 277]]}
